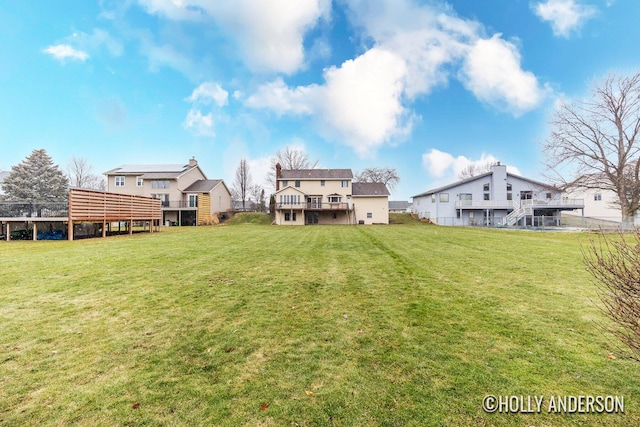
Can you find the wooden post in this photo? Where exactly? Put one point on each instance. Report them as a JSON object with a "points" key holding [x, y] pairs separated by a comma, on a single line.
{"points": [[9, 230], [70, 215], [104, 227], [35, 231], [131, 227]]}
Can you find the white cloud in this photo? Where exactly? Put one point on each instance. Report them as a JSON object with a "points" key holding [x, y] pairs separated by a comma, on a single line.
{"points": [[203, 96], [208, 92], [360, 103], [436, 45], [565, 16], [492, 72], [98, 38], [365, 103], [277, 96], [362, 100], [199, 124], [269, 34], [440, 164], [65, 51]]}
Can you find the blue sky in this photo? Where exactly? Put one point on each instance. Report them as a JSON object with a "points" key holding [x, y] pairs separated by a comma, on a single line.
{"points": [[422, 86]]}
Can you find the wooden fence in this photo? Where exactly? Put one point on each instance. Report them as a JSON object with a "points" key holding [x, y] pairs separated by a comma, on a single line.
{"points": [[97, 206]]}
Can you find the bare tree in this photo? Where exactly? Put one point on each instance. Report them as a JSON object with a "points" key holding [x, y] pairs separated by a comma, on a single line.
{"points": [[79, 171], [475, 169], [289, 158], [615, 264], [388, 176], [243, 182], [257, 194], [596, 140]]}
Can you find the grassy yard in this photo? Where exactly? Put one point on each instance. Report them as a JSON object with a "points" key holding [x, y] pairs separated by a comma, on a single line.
{"points": [[302, 326]]}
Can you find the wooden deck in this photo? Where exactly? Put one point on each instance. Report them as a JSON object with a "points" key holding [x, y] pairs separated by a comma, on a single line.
{"points": [[87, 206]]}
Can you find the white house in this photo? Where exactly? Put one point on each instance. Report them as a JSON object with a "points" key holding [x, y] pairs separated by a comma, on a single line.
{"points": [[495, 198], [601, 207]]}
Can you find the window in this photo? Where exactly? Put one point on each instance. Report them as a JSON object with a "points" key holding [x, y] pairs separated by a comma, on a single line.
{"points": [[548, 196], [335, 199], [471, 215], [369, 215], [485, 187], [289, 199], [297, 183], [322, 183], [509, 196], [139, 181], [193, 200], [285, 183], [345, 184], [119, 181], [509, 188], [597, 197], [433, 198], [163, 197], [289, 216], [160, 184], [444, 197]]}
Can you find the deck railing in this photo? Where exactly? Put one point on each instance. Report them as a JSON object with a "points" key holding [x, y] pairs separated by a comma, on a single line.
{"points": [[34, 210], [315, 206], [509, 204]]}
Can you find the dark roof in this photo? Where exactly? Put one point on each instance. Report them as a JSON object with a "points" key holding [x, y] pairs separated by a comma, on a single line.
{"points": [[202, 186], [148, 169], [369, 189], [473, 178], [316, 174], [399, 204]]}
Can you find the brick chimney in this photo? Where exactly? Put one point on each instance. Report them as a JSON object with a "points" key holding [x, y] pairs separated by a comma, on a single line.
{"points": [[193, 162], [278, 175]]}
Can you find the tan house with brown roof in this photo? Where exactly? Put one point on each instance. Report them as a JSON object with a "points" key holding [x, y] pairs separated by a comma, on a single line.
{"points": [[328, 196], [188, 197]]}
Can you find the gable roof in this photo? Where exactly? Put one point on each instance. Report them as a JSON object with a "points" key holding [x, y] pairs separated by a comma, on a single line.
{"points": [[316, 174], [399, 204], [369, 189], [202, 186], [477, 177], [170, 171], [292, 188]]}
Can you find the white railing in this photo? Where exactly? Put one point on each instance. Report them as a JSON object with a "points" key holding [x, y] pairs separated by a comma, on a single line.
{"points": [[483, 204], [514, 204]]}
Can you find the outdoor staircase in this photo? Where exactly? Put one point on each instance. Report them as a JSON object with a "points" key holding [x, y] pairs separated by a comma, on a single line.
{"points": [[518, 212]]}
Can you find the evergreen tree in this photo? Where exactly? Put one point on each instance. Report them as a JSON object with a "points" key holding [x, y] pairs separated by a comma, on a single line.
{"points": [[37, 179]]}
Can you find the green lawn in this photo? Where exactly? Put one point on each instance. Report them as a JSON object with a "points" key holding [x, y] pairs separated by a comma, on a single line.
{"points": [[302, 326]]}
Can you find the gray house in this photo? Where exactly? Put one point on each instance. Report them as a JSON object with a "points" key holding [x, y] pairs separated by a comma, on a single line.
{"points": [[495, 198]]}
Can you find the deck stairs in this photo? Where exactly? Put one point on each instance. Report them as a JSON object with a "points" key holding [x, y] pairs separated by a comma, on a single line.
{"points": [[519, 211]]}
